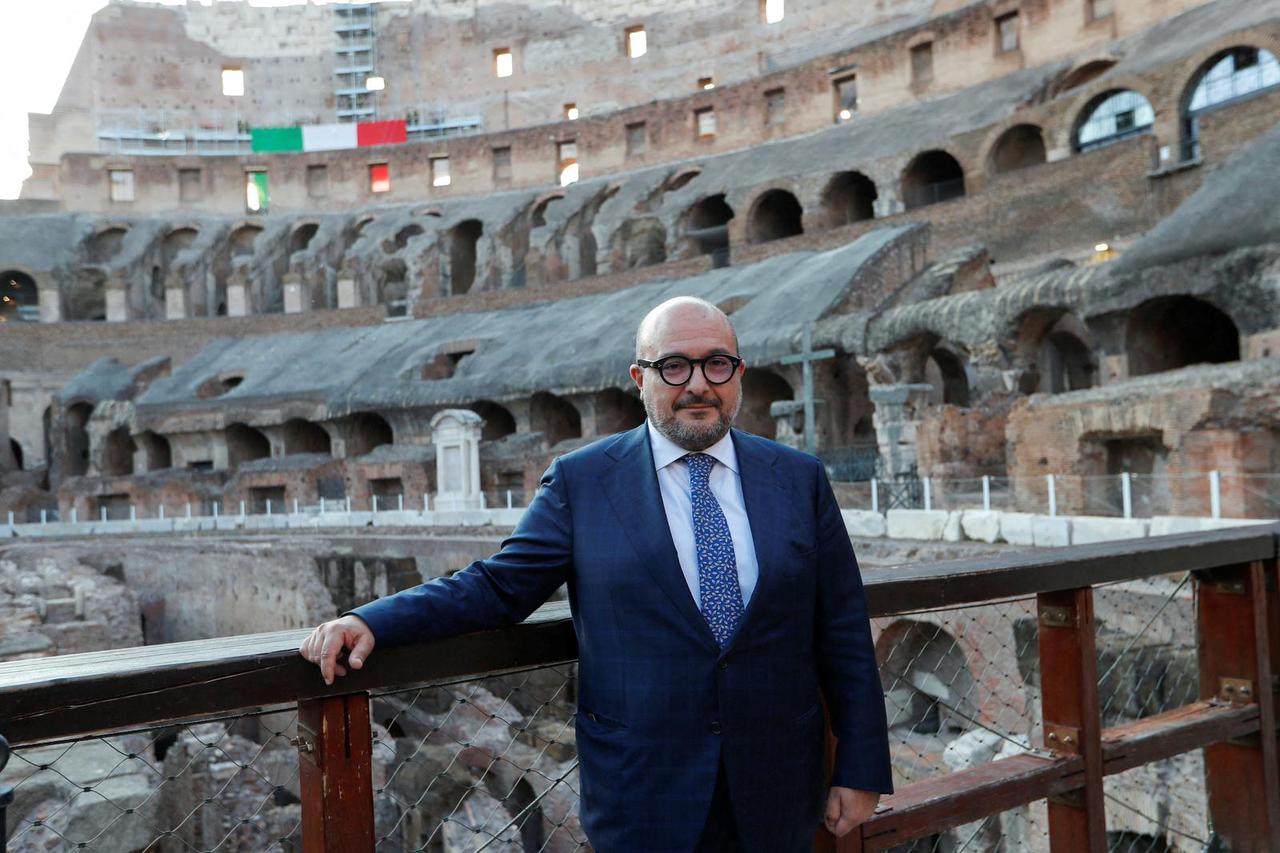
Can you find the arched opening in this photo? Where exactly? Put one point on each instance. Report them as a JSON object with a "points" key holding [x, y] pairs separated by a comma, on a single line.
{"points": [[498, 421], [539, 216], [175, 241], [15, 450], [76, 435], [106, 244], [305, 437], [156, 451], [931, 178], [87, 295], [463, 238], [302, 237], [1235, 73], [944, 370], [405, 234], [245, 444], [1019, 147], [707, 225], [117, 453], [1065, 364], [760, 390], [849, 197], [19, 298], [616, 411], [554, 417], [241, 242], [928, 686], [1112, 117], [368, 430], [1086, 73], [393, 289], [641, 243], [1170, 332], [775, 215]]}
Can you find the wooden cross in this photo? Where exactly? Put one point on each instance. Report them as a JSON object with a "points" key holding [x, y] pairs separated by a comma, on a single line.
{"points": [[806, 357]]}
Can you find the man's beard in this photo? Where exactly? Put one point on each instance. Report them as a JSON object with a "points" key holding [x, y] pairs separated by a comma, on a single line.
{"points": [[691, 436]]}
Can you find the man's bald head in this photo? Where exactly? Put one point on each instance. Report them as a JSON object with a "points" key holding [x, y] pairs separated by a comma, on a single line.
{"points": [[655, 323]]}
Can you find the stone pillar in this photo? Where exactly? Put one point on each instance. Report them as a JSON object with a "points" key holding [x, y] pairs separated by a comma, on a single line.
{"points": [[895, 421], [293, 292], [117, 301], [456, 436], [175, 298], [347, 297], [789, 415], [237, 294], [50, 305]]}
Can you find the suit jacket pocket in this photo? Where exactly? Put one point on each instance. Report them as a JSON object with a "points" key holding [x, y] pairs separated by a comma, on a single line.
{"points": [[598, 721]]}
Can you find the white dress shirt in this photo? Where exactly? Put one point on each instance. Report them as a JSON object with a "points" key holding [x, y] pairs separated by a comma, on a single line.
{"points": [[726, 484]]}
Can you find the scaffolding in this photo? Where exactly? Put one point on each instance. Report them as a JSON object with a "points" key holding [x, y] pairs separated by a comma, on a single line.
{"points": [[354, 61]]}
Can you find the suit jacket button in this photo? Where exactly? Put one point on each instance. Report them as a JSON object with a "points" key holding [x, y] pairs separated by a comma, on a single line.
{"points": [[715, 728]]}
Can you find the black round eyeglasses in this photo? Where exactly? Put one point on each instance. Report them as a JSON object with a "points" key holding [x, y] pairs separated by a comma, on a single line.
{"points": [[677, 370]]}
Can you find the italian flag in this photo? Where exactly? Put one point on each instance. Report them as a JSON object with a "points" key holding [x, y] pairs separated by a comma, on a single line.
{"points": [[328, 137]]}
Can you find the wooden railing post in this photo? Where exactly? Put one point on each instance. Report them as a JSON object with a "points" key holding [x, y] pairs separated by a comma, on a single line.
{"points": [[335, 746], [1072, 719], [1238, 635]]}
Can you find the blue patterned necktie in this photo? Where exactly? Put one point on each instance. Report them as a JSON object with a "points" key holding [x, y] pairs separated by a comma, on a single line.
{"points": [[718, 589]]}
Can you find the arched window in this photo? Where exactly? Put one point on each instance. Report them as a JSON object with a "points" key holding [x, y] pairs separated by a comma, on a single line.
{"points": [[849, 197], [1017, 148], [1170, 332], [19, 298], [775, 215], [1111, 117], [932, 177], [1233, 74]]}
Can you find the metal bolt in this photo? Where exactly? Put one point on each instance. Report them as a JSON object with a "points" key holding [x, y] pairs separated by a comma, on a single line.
{"points": [[302, 744], [1053, 735]]}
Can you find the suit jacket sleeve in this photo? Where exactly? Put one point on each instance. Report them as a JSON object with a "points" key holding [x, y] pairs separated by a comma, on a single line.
{"points": [[847, 658], [492, 593]]}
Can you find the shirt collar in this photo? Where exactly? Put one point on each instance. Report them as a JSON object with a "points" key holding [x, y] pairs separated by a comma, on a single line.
{"points": [[666, 451]]}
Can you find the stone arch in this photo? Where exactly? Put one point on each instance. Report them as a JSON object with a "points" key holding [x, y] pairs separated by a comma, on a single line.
{"points": [[1055, 345], [928, 685], [463, 239], [930, 178], [761, 388], [1082, 74], [1170, 332], [554, 417], [943, 367], [617, 411], [538, 217], [302, 436], [849, 197], [776, 214], [367, 431], [393, 287], [706, 225], [302, 236], [19, 297], [76, 438], [86, 298], [16, 450], [640, 243], [245, 444], [241, 242], [176, 241], [1110, 117], [106, 243], [498, 420], [1237, 72], [407, 233], [1019, 147], [116, 458], [157, 454]]}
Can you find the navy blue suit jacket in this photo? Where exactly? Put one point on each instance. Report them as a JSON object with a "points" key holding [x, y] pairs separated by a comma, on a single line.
{"points": [[660, 703]]}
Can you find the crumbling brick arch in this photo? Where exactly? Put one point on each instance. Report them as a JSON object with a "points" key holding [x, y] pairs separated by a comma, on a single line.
{"points": [[302, 235], [638, 243], [367, 430], [1169, 332], [303, 436], [704, 227], [85, 297], [932, 177], [105, 242], [775, 214], [115, 457], [1018, 147], [19, 296], [404, 235], [538, 216], [393, 287], [555, 417], [617, 410], [156, 451], [928, 684], [849, 197], [1081, 74], [245, 444], [1228, 75], [761, 388], [1056, 350], [498, 420]]}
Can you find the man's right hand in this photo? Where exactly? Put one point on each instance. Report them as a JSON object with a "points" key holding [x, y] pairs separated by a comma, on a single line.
{"points": [[322, 645]]}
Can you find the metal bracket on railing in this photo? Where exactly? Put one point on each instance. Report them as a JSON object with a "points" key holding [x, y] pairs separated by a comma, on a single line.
{"points": [[1236, 691], [1057, 617], [6, 797], [302, 744], [1063, 739]]}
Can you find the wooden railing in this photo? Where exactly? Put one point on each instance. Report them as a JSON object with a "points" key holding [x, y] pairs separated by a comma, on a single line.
{"points": [[1238, 623]]}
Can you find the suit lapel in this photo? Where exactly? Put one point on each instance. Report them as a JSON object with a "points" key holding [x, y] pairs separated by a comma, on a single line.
{"points": [[766, 502], [632, 487]]}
